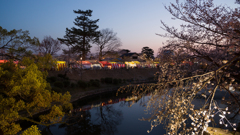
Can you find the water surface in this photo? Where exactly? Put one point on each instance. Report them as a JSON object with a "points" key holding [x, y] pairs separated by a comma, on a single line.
{"points": [[108, 114]]}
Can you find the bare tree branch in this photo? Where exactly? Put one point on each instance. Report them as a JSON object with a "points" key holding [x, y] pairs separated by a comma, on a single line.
{"points": [[107, 42], [49, 46]]}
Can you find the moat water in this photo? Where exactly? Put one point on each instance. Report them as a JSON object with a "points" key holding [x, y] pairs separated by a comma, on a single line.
{"points": [[108, 114]]}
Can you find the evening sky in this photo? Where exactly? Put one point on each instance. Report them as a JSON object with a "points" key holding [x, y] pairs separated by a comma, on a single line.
{"points": [[136, 22]]}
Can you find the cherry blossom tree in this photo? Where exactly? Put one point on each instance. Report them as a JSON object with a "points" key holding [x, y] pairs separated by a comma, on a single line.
{"points": [[210, 35]]}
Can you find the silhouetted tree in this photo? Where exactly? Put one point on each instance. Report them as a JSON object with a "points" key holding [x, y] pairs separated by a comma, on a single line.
{"points": [[107, 42], [79, 38], [16, 43], [124, 51], [148, 52], [49, 46]]}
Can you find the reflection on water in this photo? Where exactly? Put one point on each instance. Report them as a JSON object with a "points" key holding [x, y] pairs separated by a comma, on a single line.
{"points": [[108, 118], [107, 114]]}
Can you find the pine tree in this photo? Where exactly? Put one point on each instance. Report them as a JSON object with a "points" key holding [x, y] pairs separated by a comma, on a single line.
{"points": [[79, 38]]}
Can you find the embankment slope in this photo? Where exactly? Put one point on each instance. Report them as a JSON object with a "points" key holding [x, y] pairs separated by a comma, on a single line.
{"points": [[140, 74]]}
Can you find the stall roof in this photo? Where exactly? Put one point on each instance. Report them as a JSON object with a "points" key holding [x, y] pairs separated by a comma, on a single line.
{"points": [[61, 62], [105, 62], [92, 61], [3, 61], [85, 62], [95, 62], [130, 62], [137, 62]]}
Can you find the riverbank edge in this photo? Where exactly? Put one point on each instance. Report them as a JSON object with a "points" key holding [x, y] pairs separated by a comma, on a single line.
{"points": [[80, 95]]}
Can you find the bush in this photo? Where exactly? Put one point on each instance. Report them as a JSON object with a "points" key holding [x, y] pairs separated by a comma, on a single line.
{"points": [[115, 81], [96, 84], [63, 76], [108, 80], [56, 89], [66, 83], [52, 79], [48, 86], [73, 85], [97, 80], [119, 80], [82, 84], [33, 130], [58, 84], [90, 83], [129, 80], [102, 80], [124, 80]]}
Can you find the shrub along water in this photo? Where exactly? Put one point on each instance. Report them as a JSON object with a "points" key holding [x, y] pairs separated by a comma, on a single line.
{"points": [[115, 81], [96, 83], [82, 84], [52, 79], [66, 83], [108, 80], [73, 85], [102, 80], [58, 84], [57, 89]]}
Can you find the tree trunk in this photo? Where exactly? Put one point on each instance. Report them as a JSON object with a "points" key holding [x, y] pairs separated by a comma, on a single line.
{"points": [[100, 54], [84, 49]]}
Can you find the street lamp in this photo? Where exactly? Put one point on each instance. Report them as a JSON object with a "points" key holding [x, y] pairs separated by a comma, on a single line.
{"points": [[81, 67]]}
